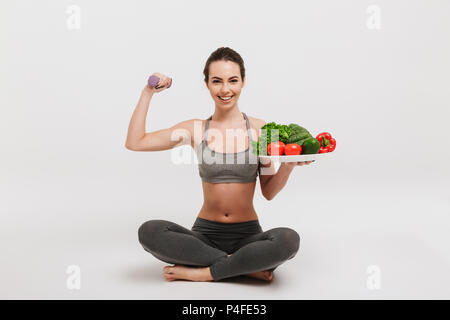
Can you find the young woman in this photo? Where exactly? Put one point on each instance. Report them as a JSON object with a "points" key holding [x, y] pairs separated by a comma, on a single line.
{"points": [[226, 239]]}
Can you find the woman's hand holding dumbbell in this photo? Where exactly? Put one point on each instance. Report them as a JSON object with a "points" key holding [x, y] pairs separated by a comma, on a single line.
{"points": [[158, 82]]}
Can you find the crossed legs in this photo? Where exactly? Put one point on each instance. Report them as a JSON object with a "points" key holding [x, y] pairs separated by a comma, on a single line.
{"points": [[197, 259]]}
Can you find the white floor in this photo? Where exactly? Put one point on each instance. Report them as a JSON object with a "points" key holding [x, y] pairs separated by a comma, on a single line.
{"points": [[398, 243]]}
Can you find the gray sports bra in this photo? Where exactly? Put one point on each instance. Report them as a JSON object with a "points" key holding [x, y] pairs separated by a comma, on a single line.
{"points": [[217, 167]]}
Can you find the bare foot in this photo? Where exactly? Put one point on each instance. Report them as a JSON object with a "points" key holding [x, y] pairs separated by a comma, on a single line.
{"points": [[178, 272], [263, 275]]}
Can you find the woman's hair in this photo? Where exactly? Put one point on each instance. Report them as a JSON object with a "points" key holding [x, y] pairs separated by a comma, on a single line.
{"points": [[226, 54]]}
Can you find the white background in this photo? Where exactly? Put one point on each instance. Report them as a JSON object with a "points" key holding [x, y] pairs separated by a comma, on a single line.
{"points": [[72, 194]]}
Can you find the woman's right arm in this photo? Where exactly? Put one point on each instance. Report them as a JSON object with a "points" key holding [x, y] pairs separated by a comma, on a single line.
{"points": [[164, 139]]}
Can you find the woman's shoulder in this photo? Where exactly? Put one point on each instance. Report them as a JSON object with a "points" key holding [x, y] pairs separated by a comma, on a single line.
{"points": [[256, 122], [197, 127]]}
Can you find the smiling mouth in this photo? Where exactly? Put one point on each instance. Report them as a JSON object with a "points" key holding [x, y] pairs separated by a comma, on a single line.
{"points": [[229, 98]]}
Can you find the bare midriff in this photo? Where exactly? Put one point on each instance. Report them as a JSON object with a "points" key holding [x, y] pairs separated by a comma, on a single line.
{"points": [[228, 202]]}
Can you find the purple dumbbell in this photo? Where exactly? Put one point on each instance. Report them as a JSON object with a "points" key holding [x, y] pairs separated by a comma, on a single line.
{"points": [[154, 80]]}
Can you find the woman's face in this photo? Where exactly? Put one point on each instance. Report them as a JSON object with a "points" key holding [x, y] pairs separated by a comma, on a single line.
{"points": [[225, 81]]}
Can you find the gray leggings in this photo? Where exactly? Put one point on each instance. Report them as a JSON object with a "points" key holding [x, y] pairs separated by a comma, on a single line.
{"points": [[208, 243]]}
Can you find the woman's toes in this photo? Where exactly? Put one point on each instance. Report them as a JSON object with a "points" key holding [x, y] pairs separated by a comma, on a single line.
{"points": [[168, 269], [268, 275], [168, 276]]}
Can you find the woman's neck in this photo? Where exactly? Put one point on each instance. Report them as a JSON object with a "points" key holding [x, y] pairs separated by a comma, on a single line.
{"points": [[228, 116]]}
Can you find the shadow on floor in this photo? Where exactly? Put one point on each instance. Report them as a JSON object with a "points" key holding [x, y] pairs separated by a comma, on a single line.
{"points": [[145, 273], [151, 272], [249, 281]]}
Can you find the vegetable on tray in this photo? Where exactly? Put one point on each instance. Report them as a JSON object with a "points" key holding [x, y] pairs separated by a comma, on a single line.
{"points": [[293, 139], [327, 142], [292, 149], [276, 148]]}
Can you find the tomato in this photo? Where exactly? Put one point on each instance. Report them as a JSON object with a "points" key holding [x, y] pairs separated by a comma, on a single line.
{"points": [[292, 149], [276, 148]]}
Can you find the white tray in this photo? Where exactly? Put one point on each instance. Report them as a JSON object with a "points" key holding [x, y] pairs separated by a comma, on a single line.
{"points": [[300, 157]]}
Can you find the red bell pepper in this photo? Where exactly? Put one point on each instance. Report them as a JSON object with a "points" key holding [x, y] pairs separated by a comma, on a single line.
{"points": [[327, 142]]}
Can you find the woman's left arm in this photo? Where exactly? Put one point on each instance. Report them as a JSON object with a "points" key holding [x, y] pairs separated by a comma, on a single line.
{"points": [[277, 181]]}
